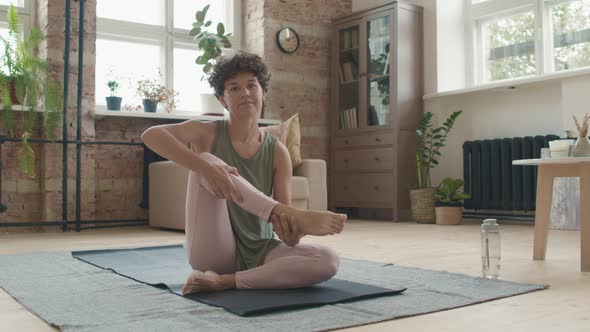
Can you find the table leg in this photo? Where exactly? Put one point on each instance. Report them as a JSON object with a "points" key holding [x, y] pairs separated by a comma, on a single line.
{"points": [[585, 217], [543, 211]]}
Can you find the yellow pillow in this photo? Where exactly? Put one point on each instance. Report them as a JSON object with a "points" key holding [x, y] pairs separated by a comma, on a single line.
{"points": [[289, 134]]}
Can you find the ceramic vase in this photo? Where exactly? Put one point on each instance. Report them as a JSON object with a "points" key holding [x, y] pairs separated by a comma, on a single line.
{"points": [[582, 147]]}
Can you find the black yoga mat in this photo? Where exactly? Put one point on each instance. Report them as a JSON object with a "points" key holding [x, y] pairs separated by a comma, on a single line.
{"points": [[167, 267]]}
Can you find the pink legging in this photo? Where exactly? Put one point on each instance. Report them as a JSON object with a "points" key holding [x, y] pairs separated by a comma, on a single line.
{"points": [[211, 246]]}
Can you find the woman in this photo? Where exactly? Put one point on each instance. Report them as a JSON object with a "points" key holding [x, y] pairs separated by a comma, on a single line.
{"points": [[230, 216]]}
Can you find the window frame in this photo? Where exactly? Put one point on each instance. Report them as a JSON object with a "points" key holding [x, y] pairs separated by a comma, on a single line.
{"points": [[166, 36], [26, 16], [480, 12]]}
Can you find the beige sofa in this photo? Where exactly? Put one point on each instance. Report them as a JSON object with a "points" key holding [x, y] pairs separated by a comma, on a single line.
{"points": [[168, 183]]}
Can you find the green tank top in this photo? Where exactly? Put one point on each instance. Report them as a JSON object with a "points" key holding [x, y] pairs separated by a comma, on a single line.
{"points": [[253, 235]]}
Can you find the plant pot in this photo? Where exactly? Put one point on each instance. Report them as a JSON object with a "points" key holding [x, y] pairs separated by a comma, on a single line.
{"points": [[449, 215], [422, 203], [13, 95], [210, 105], [114, 103], [582, 147], [150, 106]]}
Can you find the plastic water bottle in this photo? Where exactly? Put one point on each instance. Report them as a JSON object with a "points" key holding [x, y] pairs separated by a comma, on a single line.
{"points": [[490, 248]]}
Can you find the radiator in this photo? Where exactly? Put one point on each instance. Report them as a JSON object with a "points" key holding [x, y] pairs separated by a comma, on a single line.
{"points": [[490, 178]]}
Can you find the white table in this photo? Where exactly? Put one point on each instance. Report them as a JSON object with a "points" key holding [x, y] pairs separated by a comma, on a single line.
{"points": [[549, 169]]}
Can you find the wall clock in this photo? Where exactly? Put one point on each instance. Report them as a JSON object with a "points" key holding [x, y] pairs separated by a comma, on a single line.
{"points": [[287, 40]]}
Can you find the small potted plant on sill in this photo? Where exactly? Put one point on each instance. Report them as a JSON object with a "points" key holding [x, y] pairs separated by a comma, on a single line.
{"points": [[113, 101], [430, 140], [449, 205], [153, 92], [210, 44]]}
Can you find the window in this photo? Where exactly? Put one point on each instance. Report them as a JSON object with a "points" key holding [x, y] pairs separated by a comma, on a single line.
{"points": [[184, 12], [570, 24], [125, 69], [519, 38], [17, 3], [24, 13], [132, 45], [152, 11], [508, 46], [188, 83]]}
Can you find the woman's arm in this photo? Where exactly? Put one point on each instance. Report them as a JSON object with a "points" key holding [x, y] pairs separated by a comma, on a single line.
{"points": [[171, 142], [283, 172]]}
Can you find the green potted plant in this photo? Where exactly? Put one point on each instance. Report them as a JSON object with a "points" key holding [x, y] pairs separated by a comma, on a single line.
{"points": [[449, 204], [210, 44], [153, 92], [113, 101], [25, 81], [430, 140]]}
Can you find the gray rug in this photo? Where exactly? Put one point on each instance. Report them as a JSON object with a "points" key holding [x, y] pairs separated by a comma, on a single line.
{"points": [[76, 296]]}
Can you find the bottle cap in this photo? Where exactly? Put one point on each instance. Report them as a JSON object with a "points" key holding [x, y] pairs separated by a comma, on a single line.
{"points": [[490, 225]]}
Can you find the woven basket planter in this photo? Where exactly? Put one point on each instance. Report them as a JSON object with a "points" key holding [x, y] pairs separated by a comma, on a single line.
{"points": [[423, 205]]}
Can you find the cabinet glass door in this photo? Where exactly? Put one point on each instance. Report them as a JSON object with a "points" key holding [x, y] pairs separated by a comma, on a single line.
{"points": [[348, 95], [378, 64]]}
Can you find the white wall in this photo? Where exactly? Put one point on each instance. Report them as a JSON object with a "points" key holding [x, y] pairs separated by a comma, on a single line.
{"points": [[576, 94], [450, 31]]}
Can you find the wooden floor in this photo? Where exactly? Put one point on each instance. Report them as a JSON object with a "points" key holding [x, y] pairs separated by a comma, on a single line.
{"points": [[564, 307]]}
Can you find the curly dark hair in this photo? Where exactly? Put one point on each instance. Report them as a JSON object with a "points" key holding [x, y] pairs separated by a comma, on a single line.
{"points": [[229, 66]]}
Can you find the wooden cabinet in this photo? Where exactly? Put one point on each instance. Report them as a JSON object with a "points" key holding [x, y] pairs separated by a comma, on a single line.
{"points": [[376, 107]]}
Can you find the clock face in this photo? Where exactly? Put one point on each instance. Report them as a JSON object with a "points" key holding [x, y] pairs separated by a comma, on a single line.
{"points": [[288, 40]]}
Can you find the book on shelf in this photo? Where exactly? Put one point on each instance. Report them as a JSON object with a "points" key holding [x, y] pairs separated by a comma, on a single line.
{"points": [[350, 39], [348, 118], [346, 40], [344, 120], [354, 39], [347, 71]]}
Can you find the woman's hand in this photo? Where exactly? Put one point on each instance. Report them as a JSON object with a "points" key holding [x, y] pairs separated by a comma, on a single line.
{"points": [[221, 183], [286, 228]]}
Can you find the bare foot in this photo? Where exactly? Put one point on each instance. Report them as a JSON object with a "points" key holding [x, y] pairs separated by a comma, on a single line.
{"points": [[313, 222], [205, 282]]}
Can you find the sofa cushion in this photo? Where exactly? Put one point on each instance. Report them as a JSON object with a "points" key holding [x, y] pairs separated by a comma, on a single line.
{"points": [[299, 188], [168, 184], [289, 134]]}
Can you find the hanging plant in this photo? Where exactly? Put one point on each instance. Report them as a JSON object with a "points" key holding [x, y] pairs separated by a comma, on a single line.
{"points": [[25, 81]]}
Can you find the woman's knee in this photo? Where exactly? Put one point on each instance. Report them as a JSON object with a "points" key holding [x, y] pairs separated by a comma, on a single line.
{"points": [[329, 262]]}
